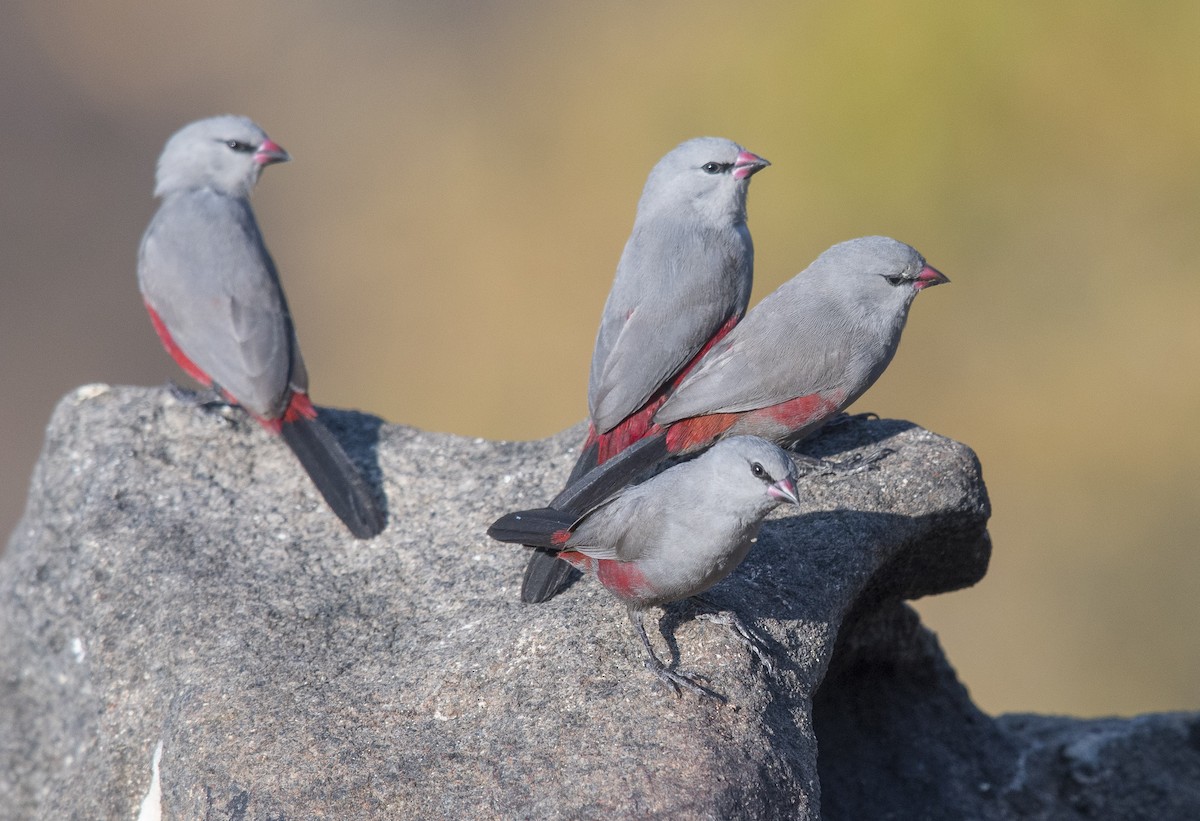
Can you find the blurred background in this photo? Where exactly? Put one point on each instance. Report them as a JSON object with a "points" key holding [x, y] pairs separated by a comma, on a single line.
{"points": [[466, 173]]}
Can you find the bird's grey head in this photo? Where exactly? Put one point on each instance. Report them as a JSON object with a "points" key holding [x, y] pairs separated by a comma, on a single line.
{"points": [[708, 174], [877, 273], [755, 474], [225, 153]]}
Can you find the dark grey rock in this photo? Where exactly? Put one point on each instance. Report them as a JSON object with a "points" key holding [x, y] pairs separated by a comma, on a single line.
{"points": [[900, 739], [177, 580]]}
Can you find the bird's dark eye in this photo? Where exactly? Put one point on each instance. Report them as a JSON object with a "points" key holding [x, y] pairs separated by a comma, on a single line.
{"points": [[715, 167], [239, 146], [895, 279], [757, 469]]}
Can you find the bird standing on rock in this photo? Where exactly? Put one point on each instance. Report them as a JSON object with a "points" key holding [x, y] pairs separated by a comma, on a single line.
{"points": [[683, 281], [808, 350], [215, 300], [671, 537], [802, 355]]}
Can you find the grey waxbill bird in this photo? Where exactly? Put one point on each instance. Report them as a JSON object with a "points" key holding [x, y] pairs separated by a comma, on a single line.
{"points": [[801, 356], [673, 536], [215, 300], [683, 281]]}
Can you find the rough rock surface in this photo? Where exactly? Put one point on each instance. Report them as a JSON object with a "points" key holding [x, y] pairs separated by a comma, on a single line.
{"points": [[176, 584]]}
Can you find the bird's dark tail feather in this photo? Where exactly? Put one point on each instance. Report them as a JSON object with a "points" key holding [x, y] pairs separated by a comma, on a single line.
{"points": [[335, 476], [586, 461], [629, 466], [545, 575], [536, 528]]}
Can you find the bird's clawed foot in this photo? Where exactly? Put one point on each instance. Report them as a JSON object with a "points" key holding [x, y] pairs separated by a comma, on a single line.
{"points": [[209, 400], [181, 393], [858, 463], [846, 418], [742, 633], [680, 681], [677, 681]]}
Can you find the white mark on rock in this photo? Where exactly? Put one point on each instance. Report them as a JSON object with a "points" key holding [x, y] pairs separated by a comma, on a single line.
{"points": [[77, 650], [86, 392], [152, 804]]}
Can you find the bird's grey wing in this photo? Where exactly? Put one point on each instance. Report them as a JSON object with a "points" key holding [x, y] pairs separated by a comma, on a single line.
{"points": [[204, 269], [785, 348], [677, 285], [621, 527]]}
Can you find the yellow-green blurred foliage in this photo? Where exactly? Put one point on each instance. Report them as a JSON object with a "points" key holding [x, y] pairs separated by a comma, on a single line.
{"points": [[466, 175]]}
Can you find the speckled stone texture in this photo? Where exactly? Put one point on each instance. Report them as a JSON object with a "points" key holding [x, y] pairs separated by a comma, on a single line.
{"points": [[177, 579]]}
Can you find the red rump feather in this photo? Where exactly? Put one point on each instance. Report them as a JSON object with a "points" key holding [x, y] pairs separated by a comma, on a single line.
{"points": [[178, 355], [640, 424], [624, 579], [299, 405], [698, 430], [803, 410]]}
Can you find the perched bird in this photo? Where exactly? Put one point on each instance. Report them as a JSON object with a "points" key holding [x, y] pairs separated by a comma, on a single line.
{"points": [[683, 281], [215, 300], [808, 350], [670, 537], [801, 356]]}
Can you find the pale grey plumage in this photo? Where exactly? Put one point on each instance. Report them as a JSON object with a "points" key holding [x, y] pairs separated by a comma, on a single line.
{"points": [[683, 279], [215, 298], [204, 268], [199, 155], [673, 536], [830, 330], [689, 526], [685, 270], [801, 356]]}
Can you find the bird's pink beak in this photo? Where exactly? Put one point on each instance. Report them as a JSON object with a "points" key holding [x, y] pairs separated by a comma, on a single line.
{"points": [[747, 165], [271, 152], [929, 277], [784, 490]]}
